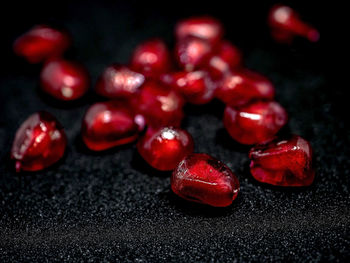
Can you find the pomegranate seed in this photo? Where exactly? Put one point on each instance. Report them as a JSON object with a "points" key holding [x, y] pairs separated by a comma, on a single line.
{"points": [[164, 148], [206, 28], [286, 23], [256, 122], [109, 124], [240, 87], [196, 86], [203, 179], [151, 58], [159, 105], [64, 80], [39, 142], [41, 43], [119, 82], [283, 162]]}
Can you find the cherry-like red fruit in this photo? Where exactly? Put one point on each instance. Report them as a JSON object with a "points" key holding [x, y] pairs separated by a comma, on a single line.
{"points": [[203, 179], [41, 43], [256, 122], [39, 142], [164, 148], [283, 162], [109, 124], [64, 80]]}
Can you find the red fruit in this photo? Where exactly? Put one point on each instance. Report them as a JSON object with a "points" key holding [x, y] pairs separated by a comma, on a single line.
{"points": [[109, 124], [206, 28], [192, 53], [119, 82], [283, 162], [164, 148], [39, 142], [238, 88], [256, 122], [159, 105], [64, 80], [285, 23], [203, 179], [41, 43], [196, 86], [151, 58]]}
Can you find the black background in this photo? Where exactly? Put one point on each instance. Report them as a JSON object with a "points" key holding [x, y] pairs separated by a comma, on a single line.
{"points": [[112, 206]]}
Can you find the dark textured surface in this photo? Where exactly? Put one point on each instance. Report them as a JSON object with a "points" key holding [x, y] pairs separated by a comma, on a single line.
{"points": [[111, 206]]}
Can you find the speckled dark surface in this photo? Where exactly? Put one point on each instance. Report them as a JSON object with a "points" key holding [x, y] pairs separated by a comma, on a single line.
{"points": [[112, 207]]}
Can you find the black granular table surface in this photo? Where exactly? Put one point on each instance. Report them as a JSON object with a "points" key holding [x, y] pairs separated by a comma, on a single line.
{"points": [[111, 206]]}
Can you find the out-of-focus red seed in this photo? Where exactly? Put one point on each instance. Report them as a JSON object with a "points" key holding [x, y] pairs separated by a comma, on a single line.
{"points": [[283, 162], [39, 142], [41, 43], [109, 124], [64, 80], [256, 122], [164, 148], [203, 179]]}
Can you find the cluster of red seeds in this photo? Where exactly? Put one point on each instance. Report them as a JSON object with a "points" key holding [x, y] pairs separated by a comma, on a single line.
{"points": [[146, 103]]}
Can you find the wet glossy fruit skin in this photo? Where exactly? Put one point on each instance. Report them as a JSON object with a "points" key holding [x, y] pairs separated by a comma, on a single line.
{"points": [[164, 148], [285, 24], [39, 142], [41, 43], [256, 122], [119, 81], [203, 179], [151, 58], [109, 124], [283, 162], [64, 80], [240, 87]]}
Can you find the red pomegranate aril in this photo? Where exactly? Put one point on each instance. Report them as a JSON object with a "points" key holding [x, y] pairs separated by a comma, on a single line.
{"points": [[39, 142], [203, 179], [256, 122], [240, 87], [41, 43], [109, 124], [206, 28], [119, 82], [283, 162], [151, 58], [285, 23], [164, 148], [64, 80]]}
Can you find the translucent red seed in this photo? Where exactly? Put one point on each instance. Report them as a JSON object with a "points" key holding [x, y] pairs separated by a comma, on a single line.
{"points": [[41, 43], [164, 148], [283, 162], [109, 124], [39, 142], [203, 179], [256, 122], [64, 80]]}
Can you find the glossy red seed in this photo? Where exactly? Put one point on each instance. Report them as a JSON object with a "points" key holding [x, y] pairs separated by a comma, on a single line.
{"points": [[285, 23], [64, 80], [240, 87], [41, 43], [256, 122], [164, 148], [151, 58], [283, 162], [119, 82], [206, 28], [39, 142], [160, 105], [109, 124], [196, 86], [203, 179]]}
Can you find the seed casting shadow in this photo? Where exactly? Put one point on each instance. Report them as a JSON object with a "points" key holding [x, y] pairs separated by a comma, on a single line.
{"points": [[140, 165], [224, 139]]}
